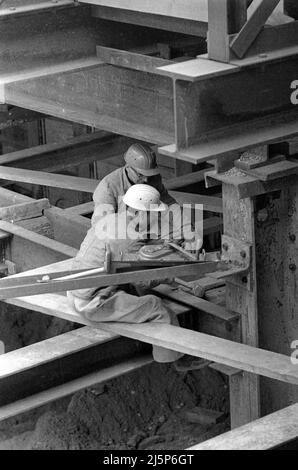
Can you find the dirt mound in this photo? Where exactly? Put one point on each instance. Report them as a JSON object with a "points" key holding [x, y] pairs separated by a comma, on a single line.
{"points": [[143, 410]]}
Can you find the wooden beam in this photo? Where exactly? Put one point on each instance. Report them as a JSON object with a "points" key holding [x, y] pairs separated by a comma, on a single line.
{"points": [[24, 210], [69, 228], [210, 318], [268, 433], [42, 398], [40, 178], [239, 356], [81, 209], [54, 157], [29, 249], [239, 223], [62, 359], [252, 27]]}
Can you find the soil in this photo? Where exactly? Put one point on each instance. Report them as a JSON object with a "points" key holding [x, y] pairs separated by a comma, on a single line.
{"points": [[143, 410]]}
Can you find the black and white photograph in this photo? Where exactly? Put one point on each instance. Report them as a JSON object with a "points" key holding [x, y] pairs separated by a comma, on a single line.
{"points": [[148, 228]]}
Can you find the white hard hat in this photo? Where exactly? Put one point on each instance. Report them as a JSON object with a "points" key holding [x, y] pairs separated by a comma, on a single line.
{"points": [[143, 197]]}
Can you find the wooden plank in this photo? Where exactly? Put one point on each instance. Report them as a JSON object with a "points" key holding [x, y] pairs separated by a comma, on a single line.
{"points": [[40, 353], [239, 223], [40, 178], [252, 27], [263, 434], [69, 228], [8, 197], [60, 156], [48, 396], [130, 60], [197, 303], [29, 249], [192, 9], [239, 356], [25, 210]]}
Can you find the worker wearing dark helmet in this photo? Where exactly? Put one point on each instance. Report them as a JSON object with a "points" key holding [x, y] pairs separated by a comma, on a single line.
{"points": [[140, 168]]}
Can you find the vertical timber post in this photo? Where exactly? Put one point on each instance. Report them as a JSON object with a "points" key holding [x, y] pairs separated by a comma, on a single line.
{"points": [[277, 268], [241, 297]]}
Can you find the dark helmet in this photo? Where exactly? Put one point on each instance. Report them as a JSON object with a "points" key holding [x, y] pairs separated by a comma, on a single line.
{"points": [[142, 159]]}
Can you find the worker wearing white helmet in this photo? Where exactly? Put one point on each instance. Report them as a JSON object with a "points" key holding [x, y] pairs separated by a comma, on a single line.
{"points": [[130, 303], [122, 303]]}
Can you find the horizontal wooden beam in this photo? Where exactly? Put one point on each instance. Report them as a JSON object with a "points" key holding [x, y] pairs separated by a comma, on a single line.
{"points": [[40, 178], [59, 156], [268, 433], [239, 356], [28, 249], [47, 396], [62, 359], [24, 210], [68, 228]]}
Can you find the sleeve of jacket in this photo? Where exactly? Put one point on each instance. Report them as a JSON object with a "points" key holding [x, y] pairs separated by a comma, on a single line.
{"points": [[104, 201]]}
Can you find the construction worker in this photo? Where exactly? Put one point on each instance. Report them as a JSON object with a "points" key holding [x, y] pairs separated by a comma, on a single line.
{"points": [[131, 303], [123, 303], [140, 168]]}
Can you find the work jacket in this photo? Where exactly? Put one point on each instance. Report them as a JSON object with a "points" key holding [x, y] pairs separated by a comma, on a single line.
{"points": [[113, 187]]}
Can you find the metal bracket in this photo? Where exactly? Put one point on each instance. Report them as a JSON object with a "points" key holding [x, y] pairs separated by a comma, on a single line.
{"points": [[236, 256]]}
